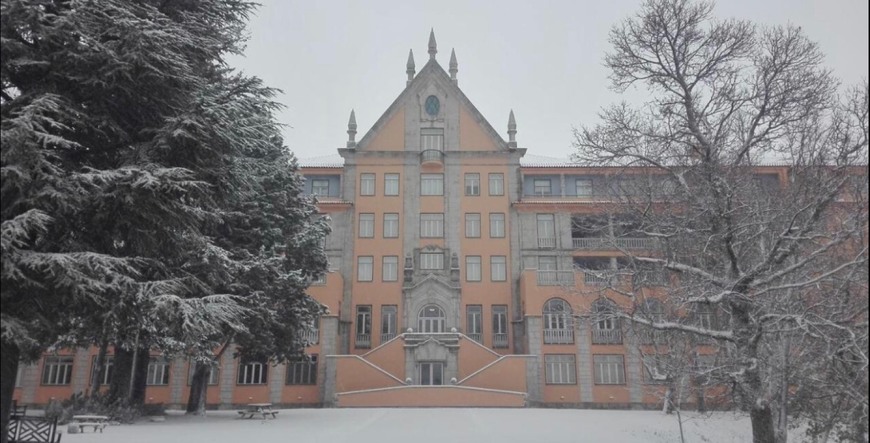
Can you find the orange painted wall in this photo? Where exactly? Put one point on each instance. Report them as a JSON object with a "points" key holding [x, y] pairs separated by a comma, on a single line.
{"points": [[391, 136], [244, 394], [353, 374], [390, 358], [507, 374], [472, 136], [432, 396], [472, 357]]}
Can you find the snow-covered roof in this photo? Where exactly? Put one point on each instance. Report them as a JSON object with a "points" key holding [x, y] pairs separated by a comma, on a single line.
{"points": [[541, 161], [322, 161]]}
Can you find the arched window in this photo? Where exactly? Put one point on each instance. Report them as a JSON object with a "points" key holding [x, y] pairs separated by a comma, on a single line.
{"points": [[431, 319], [558, 322], [605, 327], [651, 310]]}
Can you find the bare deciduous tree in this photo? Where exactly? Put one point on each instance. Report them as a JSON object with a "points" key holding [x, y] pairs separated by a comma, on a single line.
{"points": [[755, 189]]}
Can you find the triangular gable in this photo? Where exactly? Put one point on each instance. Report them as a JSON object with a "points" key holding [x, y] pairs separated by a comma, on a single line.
{"points": [[384, 132]]}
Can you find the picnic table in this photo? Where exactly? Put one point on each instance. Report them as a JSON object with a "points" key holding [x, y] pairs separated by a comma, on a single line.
{"points": [[261, 409], [97, 422]]}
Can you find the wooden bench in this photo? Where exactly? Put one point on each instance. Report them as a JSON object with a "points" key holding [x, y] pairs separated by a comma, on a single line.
{"points": [[33, 430], [95, 422]]}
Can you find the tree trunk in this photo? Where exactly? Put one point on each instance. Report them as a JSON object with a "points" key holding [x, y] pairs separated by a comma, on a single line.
{"points": [[9, 356], [198, 389], [97, 376], [119, 387], [762, 424]]}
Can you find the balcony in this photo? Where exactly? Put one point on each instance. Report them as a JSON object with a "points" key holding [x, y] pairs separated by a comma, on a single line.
{"points": [[432, 157], [363, 340], [385, 337], [606, 337], [558, 336], [546, 242], [499, 340], [476, 336], [555, 278], [311, 336], [603, 243], [596, 278]]}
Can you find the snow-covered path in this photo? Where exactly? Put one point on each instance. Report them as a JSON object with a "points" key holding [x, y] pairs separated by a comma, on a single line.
{"points": [[430, 426]]}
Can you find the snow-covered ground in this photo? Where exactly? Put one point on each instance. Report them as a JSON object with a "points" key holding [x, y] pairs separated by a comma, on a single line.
{"points": [[430, 426]]}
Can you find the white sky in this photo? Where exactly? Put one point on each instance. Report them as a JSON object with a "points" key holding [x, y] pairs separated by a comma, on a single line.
{"points": [[542, 59]]}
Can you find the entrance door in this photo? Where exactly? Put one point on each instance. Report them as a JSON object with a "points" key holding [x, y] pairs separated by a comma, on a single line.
{"points": [[431, 319], [431, 373]]}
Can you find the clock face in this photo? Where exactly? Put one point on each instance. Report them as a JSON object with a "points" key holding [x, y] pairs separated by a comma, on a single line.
{"points": [[432, 105]]}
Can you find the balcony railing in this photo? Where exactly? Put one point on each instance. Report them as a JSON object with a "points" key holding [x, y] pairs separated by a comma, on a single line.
{"points": [[363, 340], [312, 336], [499, 340], [603, 243], [476, 336], [652, 337], [558, 336], [606, 337], [555, 278], [596, 278], [387, 336], [432, 156], [546, 242]]}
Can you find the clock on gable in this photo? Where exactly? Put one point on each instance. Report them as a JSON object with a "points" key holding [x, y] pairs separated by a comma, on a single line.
{"points": [[432, 105]]}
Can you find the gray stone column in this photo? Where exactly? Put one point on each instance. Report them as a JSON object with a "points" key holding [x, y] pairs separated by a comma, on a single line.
{"points": [[328, 397], [276, 382], [177, 380], [533, 380], [584, 360], [81, 369], [228, 376], [328, 346], [29, 383], [633, 369]]}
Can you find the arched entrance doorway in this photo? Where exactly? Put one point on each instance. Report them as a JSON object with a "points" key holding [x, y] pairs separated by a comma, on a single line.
{"points": [[430, 319]]}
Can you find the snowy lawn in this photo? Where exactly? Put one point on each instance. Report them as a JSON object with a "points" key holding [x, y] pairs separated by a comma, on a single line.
{"points": [[430, 426]]}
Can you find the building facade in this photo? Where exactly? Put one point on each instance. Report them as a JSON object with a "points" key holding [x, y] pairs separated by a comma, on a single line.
{"points": [[459, 276]]}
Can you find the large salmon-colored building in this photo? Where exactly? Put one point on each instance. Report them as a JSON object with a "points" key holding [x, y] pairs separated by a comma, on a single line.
{"points": [[454, 277]]}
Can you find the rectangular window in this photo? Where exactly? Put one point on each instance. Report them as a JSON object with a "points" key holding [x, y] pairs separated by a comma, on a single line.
{"points": [[431, 184], [391, 184], [391, 225], [431, 261], [390, 268], [364, 268], [366, 225], [496, 225], [496, 184], [609, 369], [320, 187], [499, 326], [252, 373], [431, 225], [214, 374], [543, 186], [561, 369], [498, 268], [366, 184], [474, 322], [546, 230], [472, 225], [583, 187], [547, 263], [389, 322], [431, 138], [57, 370], [302, 370], [472, 184], [472, 268], [158, 372], [364, 326], [105, 373]]}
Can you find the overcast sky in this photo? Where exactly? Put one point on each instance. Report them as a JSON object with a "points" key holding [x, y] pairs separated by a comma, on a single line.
{"points": [[543, 59]]}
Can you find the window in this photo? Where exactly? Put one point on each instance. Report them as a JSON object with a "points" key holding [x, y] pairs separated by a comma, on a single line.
{"points": [[472, 225], [391, 225], [496, 184], [498, 268], [605, 326], [389, 324], [558, 322], [583, 187], [431, 184], [366, 225], [320, 187], [473, 319], [366, 184], [499, 326], [560, 369], [363, 326], [472, 268], [472, 184], [655, 369], [496, 225], [609, 369], [390, 269], [546, 263], [302, 370], [431, 225], [431, 260], [431, 373], [543, 186], [252, 373], [214, 373], [391, 184], [431, 138], [546, 230], [57, 370], [364, 268], [431, 319], [105, 372], [158, 372], [19, 374]]}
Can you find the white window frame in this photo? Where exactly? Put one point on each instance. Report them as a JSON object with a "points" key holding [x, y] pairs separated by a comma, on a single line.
{"points": [[585, 185], [390, 268], [364, 268], [302, 371], [560, 369], [498, 268], [318, 183], [472, 184], [609, 369], [367, 184], [472, 225], [432, 225], [472, 268], [538, 186], [391, 184], [432, 139], [107, 370], [496, 183], [367, 225], [158, 372], [497, 225], [57, 370], [253, 373], [391, 225], [432, 261], [474, 319], [431, 184]]}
